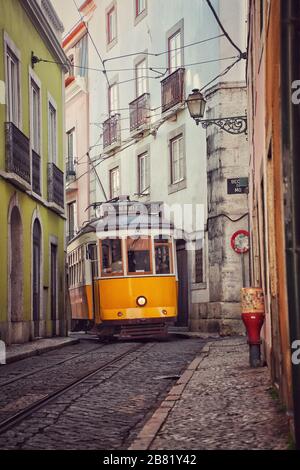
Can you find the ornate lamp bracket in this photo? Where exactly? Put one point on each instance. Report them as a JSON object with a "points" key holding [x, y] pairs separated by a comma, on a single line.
{"points": [[233, 125]]}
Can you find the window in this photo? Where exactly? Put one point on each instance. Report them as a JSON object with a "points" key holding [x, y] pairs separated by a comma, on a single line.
{"points": [[177, 159], [199, 273], [261, 13], [114, 176], [141, 78], [111, 25], [140, 6], [72, 220], [143, 173], [52, 134], [12, 83], [174, 52], [111, 257], [35, 116], [71, 67], [113, 98], [138, 253], [163, 256], [71, 143]]}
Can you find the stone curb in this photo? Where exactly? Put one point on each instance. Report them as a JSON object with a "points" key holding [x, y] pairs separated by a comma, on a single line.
{"points": [[150, 430], [17, 356]]}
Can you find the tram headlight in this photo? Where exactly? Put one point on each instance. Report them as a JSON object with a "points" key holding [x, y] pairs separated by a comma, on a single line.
{"points": [[141, 301]]}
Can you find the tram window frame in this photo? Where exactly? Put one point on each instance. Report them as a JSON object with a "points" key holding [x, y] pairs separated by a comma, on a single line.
{"points": [[115, 273], [150, 250], [158, 242]]}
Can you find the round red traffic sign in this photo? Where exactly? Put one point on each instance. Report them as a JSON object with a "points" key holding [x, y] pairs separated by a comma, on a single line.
{"points": [[240, 241]]}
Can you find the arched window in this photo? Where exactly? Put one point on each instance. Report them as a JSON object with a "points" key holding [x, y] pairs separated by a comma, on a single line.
{"points": [[16, 266]]}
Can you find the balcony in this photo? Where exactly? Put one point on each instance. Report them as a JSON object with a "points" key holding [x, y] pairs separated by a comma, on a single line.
{"points": [[172, 90], [56, 188], [139, 113], [17, 157], [36, 173], [111, 133]]}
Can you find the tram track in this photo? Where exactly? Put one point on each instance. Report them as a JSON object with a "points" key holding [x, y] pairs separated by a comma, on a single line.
{"points": [[26, 412], [51, 366]]}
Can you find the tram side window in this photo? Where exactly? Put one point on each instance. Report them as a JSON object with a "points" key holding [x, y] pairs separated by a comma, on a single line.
{"points": [[139, 258], [112, 262], [163, 256]]}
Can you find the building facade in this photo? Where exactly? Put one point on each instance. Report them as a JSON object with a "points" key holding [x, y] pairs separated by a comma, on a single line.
{"points": [[273, 110], [31, 172], [142, 140], [76, 45]]}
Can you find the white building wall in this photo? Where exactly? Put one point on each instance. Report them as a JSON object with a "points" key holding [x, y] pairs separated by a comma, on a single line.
{"points": [[150, 35]]}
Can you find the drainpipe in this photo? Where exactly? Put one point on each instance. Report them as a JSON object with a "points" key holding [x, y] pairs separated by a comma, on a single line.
{"points": [[290, 59]]}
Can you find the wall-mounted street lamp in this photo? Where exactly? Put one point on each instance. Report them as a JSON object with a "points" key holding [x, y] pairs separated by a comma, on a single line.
{"points": [[196, 105]]}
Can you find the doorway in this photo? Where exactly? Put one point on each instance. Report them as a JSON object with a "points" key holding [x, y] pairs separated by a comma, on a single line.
{"points": [[53, 288], [16, 266], [36, 277], [183, 304]]}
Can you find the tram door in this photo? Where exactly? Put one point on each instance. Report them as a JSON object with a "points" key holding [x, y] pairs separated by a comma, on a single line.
{"points": [[36, 277], [53, 287], [92, 250], [182, 318]]}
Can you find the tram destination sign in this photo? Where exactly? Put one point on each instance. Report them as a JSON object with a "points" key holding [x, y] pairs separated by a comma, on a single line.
{"points": [[237, 185]]}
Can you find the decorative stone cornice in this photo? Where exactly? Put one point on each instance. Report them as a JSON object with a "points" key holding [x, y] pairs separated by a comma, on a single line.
{"points": [[35, 13]]}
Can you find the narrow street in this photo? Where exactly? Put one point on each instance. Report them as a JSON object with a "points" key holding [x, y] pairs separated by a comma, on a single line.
{"points": [[104, 410]]}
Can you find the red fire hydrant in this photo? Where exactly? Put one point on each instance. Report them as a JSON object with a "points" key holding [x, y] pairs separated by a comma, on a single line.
{"points": [[253, 316]]}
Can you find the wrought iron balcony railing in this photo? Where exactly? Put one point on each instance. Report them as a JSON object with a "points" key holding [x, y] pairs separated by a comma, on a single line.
{"points": [[55, 185], [70, 169], [112, 131], [36, 173], [17, 152], [172, 90], [139, 112]]}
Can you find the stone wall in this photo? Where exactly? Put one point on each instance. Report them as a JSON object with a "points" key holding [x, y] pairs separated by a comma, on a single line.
{"points": [[227, 157]]}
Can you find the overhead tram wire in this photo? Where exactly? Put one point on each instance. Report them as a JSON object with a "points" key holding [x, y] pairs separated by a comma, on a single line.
{"points": [[96, 49], [221, 74], [243, 55], [158, 54], [132, 68]]}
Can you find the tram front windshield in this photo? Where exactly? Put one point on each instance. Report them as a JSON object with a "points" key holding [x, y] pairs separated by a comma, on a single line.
{"points": [[138, 252]]}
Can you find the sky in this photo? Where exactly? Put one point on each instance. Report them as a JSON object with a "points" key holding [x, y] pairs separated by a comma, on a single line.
{"points": [[67, 12]]}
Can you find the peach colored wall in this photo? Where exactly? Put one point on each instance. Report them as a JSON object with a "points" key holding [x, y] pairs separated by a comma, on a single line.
{"points": [[268, 249], [77, 116]]}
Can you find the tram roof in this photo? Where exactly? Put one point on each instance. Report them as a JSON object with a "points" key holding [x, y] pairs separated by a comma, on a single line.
{"points": [[119, 222]]}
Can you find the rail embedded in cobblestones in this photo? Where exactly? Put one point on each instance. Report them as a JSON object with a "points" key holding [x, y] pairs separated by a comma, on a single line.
{"points": [[21, 415], [51, 366]]}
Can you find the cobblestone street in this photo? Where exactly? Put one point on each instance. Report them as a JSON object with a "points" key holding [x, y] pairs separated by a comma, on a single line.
{"points": [[224, 405], [106, 410]]}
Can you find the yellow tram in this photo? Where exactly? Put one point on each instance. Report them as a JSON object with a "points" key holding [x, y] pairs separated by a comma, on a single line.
{"points": [[123, 275]]}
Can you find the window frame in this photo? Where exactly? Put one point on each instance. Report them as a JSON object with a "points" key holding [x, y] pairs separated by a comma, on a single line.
{"points": [[143, 79], [116, 274], [74, 205], [72, 132], [143, 155], [52, 106], [35, 84], [111, 171], [178, 28], [137, 11], [144, 273], [169, 243], [180, 178], [111, 41], [11, 50], [113, 86]]}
